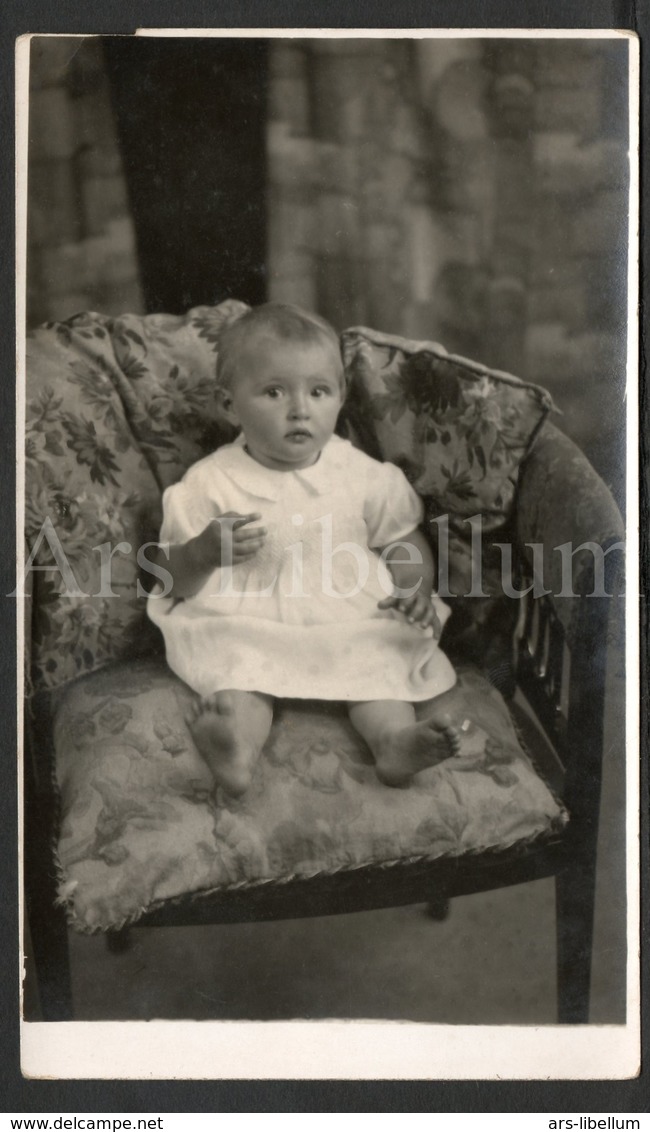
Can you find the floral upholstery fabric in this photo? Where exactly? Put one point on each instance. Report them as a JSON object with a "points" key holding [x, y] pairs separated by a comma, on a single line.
{"points": [[88, 483], [460, 432], [457, 429], [166, 376], [139, 824]]}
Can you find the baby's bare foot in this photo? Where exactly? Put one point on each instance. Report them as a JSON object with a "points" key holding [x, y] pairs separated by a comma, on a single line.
{"points": [[405, 752], [212, 724]]}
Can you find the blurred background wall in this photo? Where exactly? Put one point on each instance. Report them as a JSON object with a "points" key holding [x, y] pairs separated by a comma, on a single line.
{"points": [[473, 192], [80, 233]]}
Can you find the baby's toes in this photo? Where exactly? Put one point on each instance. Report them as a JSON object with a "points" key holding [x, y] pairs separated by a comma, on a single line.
{"points": [[453, 739], [444, 721], [222, 703], [497, 753], [193, 712]]}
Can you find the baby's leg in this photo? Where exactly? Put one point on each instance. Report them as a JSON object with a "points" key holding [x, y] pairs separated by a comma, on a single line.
{"points": [[401, 745], [230, 729]]}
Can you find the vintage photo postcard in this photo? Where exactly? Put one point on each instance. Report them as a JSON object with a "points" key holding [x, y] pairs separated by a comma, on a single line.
{"points": [[328, 597]]}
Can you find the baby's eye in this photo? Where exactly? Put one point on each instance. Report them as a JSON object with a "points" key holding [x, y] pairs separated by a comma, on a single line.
{"points": [[321, 391], [274, 391]]}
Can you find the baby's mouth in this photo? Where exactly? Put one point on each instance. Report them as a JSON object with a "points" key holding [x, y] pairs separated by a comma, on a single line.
{"points": [[299, 434]]}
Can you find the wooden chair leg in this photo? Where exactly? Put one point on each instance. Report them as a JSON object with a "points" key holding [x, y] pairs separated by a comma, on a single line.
{"points": [[49, 937], [575, 890], [438, 909], [119, 941], [47, 922]]}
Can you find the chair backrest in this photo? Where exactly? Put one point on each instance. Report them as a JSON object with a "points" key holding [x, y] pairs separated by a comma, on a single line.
{"points": [[458, 429], [118, 408], [461, 432]]}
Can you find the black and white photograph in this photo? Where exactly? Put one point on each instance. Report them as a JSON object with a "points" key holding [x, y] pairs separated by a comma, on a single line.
{"points": [[328, 393]]}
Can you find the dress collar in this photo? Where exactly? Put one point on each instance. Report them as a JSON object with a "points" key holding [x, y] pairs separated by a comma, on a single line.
{"points": [[267, 483]]}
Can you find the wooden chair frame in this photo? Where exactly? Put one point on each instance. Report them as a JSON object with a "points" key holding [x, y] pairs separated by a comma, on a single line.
{"points": [[566, 692]]}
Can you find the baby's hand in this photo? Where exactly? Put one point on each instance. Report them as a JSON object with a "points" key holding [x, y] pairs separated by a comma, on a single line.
{"points": [[225, 542], [418, 609]]}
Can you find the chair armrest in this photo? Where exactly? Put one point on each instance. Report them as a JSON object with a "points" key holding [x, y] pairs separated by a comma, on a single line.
{"points": [[564, 638], [563, 504]]}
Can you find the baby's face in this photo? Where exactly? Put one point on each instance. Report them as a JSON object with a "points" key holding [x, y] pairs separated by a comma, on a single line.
{"points": [[286, 398]]}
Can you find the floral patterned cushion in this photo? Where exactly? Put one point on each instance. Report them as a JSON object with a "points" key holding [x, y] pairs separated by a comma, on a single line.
{"points": [[460, 432], [88, 483], [117, 408], [139, 824], [458, 429], [166, 376]]}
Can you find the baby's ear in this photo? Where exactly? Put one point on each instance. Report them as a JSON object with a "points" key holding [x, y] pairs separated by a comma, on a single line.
{"points": [[224, 400]]}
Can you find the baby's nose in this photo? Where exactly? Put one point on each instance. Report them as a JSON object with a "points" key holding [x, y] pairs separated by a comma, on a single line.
{"points": [[299, 408]]}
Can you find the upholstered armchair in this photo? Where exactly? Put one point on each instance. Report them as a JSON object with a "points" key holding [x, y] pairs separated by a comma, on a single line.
{"points": [[122, 825]]}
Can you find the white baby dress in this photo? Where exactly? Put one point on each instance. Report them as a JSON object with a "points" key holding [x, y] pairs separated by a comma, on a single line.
{"points": [[300, 619]]}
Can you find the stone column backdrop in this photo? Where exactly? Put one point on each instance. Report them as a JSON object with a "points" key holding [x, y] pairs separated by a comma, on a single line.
{"points": [[472, 192], [81, 245]]}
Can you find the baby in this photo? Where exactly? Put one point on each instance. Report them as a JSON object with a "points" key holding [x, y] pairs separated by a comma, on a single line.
{"points": [[298, 567]]}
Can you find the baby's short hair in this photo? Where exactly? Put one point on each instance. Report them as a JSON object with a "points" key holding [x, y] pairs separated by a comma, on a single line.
{"points": [[284, 322]]}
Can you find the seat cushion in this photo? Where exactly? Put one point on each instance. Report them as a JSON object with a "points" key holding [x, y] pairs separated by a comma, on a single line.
{"points": [[139, 824]]}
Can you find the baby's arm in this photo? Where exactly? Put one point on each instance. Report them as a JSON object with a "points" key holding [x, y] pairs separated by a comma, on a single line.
{"points": [[413, 581], [224, 542]]}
